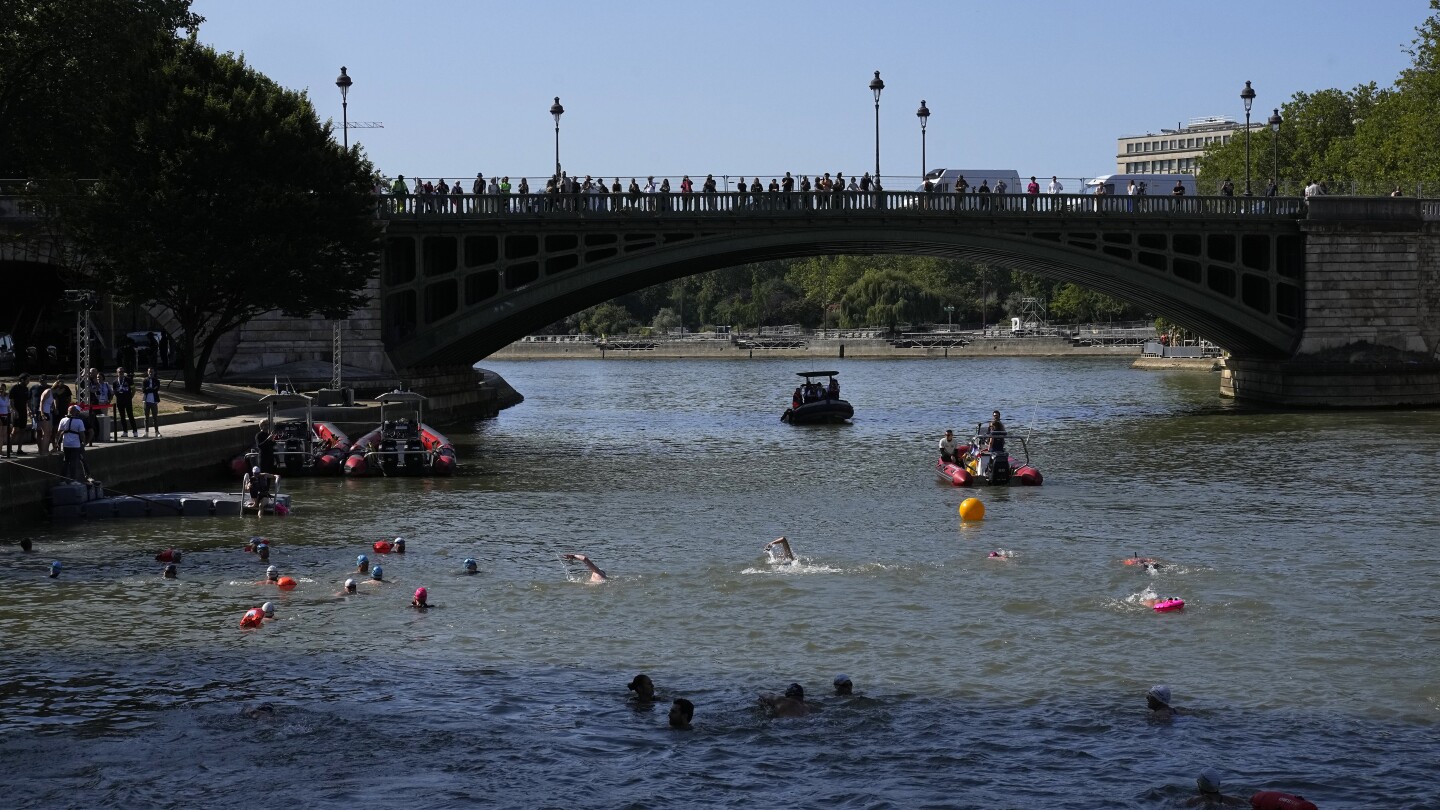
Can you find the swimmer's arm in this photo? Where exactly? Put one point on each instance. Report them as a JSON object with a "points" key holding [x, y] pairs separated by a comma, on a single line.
{"points": [[594, 569]]}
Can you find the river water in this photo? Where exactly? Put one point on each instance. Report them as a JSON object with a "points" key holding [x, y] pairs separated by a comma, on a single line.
{"points": [[1304, 545]]}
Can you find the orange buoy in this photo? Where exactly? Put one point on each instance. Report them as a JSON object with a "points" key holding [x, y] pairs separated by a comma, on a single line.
{"points": [[972, 509], [1277, 800], [382, 546], [286, 583], [253, 617]]}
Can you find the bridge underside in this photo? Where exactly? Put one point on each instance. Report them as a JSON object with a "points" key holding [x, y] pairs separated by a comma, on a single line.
{"points": [[453, 292]]}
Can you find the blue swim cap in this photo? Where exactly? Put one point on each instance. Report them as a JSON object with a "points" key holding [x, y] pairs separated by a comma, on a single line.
{"points": [[377, 572], [470, 564], [55, 566], [362, 558]]}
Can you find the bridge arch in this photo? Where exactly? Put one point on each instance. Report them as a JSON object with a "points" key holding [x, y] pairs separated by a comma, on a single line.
{"points": [[453, 292]]}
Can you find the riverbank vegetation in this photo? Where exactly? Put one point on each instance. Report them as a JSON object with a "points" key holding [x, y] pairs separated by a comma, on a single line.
{"points": [[845, 292], [1366, 140]]}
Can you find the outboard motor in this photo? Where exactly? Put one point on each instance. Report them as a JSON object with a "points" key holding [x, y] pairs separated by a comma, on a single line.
{"points": [[387, 455], [294, 456], [414, 455], [1000, 468]]}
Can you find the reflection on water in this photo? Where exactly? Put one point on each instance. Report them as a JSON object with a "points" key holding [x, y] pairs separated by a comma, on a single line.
{"points": [[1299, 542]]}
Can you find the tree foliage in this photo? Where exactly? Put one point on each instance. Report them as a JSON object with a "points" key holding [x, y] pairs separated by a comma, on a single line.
{"points": [[227, 199], [69, 69], [1367, 140]]}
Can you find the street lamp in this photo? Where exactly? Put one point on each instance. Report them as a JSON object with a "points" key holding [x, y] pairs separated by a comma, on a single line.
{"points": [[924, 115], [949, 311], [1248, 96], [555, 112], [1275, 123], [875, 87], [336, 338], [344, 83]]}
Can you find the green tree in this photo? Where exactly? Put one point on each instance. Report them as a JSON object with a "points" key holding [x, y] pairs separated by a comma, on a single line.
{"points": [[228, 199], [70, 69], [608, 318], [885, 297]]}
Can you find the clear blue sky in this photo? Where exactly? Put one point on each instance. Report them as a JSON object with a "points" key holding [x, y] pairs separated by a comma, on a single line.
{"points": [[742, 87]]}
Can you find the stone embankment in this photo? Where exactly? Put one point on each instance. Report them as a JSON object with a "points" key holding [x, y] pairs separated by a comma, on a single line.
{"points": [[200, 434]]}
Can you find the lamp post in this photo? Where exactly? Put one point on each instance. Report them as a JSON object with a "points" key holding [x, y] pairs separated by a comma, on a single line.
{"points": [[344, 83], [1248, 96], [1275, 122], [875, 87], [555, 112], [924, 115], [336, 338], [949, 316]]}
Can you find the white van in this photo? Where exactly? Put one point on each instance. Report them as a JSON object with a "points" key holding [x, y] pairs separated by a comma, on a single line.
{"points": [[944, 179], [1155, 185]]}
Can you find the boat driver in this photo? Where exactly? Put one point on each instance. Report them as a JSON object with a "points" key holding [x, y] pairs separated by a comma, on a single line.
{"points": [[947, 448], [996, 432]]}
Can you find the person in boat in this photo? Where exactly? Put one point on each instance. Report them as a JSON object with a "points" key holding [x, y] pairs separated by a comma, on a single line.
{"points": [[948, 448], [995, 434], [265, 447], [833, 392], [784, 555], [797, 399], [790, 704], [596, 575]]}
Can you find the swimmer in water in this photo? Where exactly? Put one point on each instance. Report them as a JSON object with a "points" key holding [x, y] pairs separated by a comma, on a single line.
{"points": [[784, 555], [262, 712], [272, 576], [398, 546], [377, 576], [421, 600], [643, 687], [170, 572], [791, 704], [596, 575], [1157, 700], [55, 569], [1208, 785], [1148, 563], [362, 564], [843, 685], [349, 588], [264, 551], [27, 546], [682, 712], [1000, 554], [268, 609], [471, 567]]}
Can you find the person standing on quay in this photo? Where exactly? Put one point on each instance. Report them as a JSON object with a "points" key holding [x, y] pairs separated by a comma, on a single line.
{"points": [[72, 440], [151, 391], [124, 403]]}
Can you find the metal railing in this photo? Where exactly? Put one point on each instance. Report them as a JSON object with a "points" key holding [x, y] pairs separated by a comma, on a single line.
{"points": [[797, 203]]}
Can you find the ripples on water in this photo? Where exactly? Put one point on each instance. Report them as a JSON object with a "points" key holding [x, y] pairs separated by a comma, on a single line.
{"points": [[1302, 543]]}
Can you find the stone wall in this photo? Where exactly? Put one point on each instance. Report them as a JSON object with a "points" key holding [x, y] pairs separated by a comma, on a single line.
{"points": [[274, 339]]}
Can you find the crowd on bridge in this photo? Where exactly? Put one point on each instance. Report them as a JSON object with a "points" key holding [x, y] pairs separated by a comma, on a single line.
{"points": [[821, 192]]}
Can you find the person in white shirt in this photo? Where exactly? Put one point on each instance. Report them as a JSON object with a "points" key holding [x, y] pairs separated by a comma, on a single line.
{"points": [[947, 447], [1055, 187], [72, 440]]}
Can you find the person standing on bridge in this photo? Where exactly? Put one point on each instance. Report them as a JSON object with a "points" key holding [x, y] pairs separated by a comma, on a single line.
{"points": [[984, 192], [399, 192], [150, 391], [650, 190], [805, 192], [838, 188], [477, 188], [708, 188], [1055, 187], [755, 191], [634, 193], [1227, 188], [687, 194], [787, 187]]}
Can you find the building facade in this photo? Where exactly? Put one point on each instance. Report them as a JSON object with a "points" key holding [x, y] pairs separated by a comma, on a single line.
{"points": [[1174, 151]]}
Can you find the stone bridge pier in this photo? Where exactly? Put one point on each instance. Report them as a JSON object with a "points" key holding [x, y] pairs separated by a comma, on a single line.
{"points": [[1370, 334]]}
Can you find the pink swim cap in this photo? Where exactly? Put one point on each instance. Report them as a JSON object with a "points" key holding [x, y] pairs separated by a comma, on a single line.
{"points": [[420, 594]]}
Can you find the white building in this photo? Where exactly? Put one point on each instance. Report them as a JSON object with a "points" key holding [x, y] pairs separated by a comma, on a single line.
{"points": [[1175, 151]]}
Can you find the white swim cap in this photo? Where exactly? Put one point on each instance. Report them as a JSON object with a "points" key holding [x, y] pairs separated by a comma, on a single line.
{"points": [[268, 608], [350, 584], [272, 570], [1208, 781], [255, 471]]}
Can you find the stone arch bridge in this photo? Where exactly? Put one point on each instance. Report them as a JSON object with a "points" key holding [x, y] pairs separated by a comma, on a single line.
{"points": [[1285, 286]]}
